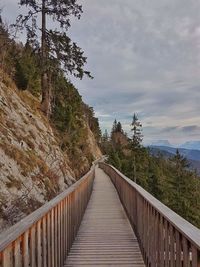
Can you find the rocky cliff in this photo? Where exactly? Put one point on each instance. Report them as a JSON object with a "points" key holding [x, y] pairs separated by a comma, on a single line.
{"points": [[33, 167]]}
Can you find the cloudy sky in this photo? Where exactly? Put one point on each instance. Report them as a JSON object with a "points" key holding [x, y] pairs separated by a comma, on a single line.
{"points": [[145, 58]]}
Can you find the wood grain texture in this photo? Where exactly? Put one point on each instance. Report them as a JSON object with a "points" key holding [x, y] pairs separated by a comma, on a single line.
{"points": [[105, 236], [164, 237]]}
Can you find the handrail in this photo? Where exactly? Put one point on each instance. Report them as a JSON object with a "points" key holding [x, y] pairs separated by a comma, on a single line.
{"points": [[165, 238], [44, 237]]}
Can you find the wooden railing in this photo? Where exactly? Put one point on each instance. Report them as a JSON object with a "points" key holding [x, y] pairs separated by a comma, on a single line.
{"points": [[165, 238], [43, 238]]}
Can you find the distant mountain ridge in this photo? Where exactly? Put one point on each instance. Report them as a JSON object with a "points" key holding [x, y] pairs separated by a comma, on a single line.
{"points": [[188, 153], [192, 155], [191, 145], [161, 143]]}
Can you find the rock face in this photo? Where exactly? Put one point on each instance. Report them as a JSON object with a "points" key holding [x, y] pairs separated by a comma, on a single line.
{"points": [[33, 168]]}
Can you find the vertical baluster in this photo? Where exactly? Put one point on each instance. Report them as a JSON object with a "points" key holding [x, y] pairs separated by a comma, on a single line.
{"points": [[66, 227], [25, 249], [186, 258], [7, 257], [156, 244], [148, 234], [49, 236], [70, 221], [39, 248], [178, 249], [52, 239], [72, 217], [44, 241], [17, 253], [172, 249], [62, 211], [56, 234], [154, 238], [166, 244], [161, 238], [194, 257], [147, 223], [33, 247]]}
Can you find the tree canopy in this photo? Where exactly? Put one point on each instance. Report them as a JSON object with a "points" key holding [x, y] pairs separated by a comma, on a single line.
{"points": [[54, 46]]}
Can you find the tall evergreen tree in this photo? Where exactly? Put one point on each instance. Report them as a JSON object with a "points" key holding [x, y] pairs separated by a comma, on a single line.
{"points": [[136, 142], [119, 127], [114, 127], [56, 48], [105, 136], [180, 181], [137, 132]]}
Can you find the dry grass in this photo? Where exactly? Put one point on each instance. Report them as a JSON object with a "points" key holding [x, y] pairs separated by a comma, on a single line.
{"points": [[10, 125], [27, 160], [13, 182], [30, 100], [31, 133], [3, 131], [27, 140], [4, 78]]}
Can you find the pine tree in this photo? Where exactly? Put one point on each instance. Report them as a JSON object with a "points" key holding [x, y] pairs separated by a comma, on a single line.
{"points": [[136, 142], [137, 132], [119, 127], [180, 184], [105, 136], [114, 127], [56, 48]]}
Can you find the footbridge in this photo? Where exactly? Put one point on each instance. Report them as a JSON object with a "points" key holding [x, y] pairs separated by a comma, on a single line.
{"points": [[104, 219]]}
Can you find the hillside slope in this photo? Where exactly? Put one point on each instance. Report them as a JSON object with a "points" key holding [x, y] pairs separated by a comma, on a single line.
{"points": [[33, 167]]}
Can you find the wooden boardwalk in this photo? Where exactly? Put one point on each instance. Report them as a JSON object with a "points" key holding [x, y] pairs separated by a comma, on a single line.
{"points": [[105, 237]]}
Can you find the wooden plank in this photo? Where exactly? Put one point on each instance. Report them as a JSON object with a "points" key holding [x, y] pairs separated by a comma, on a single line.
{"points": [[105, 236]]}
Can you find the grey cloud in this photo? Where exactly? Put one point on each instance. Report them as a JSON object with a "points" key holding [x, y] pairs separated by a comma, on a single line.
{"points": [[190, 128], [144, 56], [169, 129]]}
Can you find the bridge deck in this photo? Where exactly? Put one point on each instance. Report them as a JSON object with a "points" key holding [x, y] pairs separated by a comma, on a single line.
{"points": [[105, 237]]}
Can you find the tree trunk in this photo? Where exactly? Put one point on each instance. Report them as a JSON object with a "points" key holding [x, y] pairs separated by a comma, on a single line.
{"points": [[45, 85]]}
